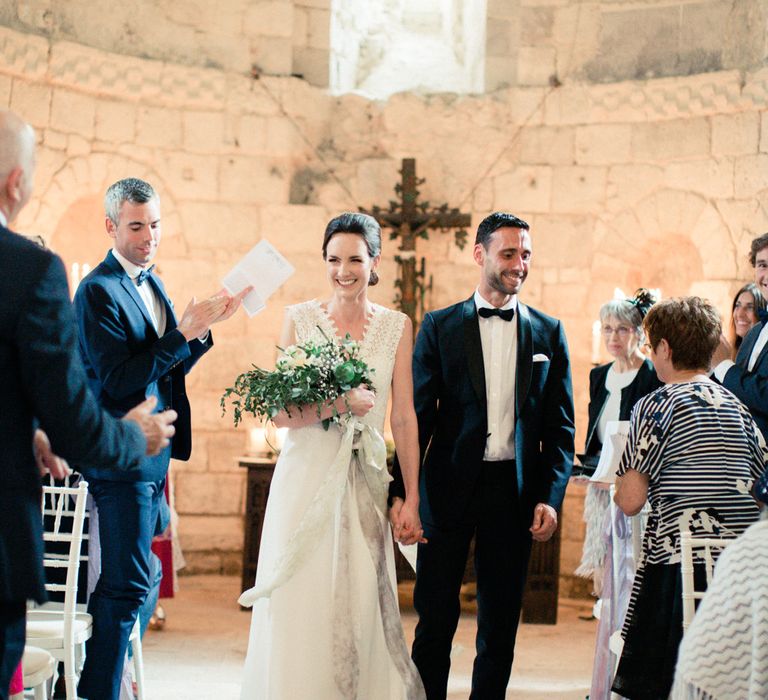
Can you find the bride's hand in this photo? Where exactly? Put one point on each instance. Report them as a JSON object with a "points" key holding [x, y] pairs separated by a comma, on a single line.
{"points": [[409, 530], [359, 400]]}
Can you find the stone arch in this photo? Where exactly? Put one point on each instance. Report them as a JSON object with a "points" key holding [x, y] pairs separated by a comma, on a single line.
{"points": [[68, 212], [673, 240]]}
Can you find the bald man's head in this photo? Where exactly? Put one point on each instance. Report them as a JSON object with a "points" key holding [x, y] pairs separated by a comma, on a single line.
{"points": [[17, 163]]}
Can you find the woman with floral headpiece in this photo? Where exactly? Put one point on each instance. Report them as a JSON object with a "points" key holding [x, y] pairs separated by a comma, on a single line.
{"points": [[614, 388]]}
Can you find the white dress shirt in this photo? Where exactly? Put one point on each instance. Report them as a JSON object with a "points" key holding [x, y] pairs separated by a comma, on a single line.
{"points": [[3, 220], [722, 369], [499, 341], [153, 303]]}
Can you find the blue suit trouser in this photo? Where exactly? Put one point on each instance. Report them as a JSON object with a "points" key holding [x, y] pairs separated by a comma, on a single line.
{"points": [[130, 515], [13, 627]]}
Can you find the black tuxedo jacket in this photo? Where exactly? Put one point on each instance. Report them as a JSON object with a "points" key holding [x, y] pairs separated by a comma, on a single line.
{"points": [[644, 383], [450, 402], [127, 362], [43, 383], [751, 388]]}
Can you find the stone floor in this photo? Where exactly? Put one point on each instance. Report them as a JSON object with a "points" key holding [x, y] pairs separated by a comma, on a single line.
{"points": [[200, 653]]}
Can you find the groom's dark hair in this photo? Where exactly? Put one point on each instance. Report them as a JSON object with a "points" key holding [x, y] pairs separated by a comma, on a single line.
{"points": [[130, 189], [497, 220]]}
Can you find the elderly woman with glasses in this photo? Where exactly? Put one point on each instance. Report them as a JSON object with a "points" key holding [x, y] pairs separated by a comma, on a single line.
{"points": [[693, 453], [614, 388]]}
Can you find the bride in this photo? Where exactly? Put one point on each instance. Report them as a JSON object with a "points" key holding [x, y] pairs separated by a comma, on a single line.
{"points": [[326, 623]]}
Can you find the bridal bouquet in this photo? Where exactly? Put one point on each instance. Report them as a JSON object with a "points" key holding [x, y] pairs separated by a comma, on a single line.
{"points": [[305, 374]]}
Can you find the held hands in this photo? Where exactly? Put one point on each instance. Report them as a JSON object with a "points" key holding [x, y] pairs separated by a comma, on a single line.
{"points": [[406, 524], [47, 462], [157, 427], [199, 315], [544, 522]]}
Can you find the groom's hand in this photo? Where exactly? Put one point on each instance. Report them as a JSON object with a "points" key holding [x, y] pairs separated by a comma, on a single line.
{"points": [[544, 522]]}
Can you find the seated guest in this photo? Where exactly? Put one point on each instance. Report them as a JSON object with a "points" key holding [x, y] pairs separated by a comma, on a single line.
{"points": [[614, 388], [724, 651], [747, 303], [694, 452]]}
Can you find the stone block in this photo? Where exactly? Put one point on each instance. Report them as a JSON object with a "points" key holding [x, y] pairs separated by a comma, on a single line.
{"points": [[764, 132], [6, 83], [226, 447], [31, 101], [296, 229], [319, 29], [751, 175], [561, 300], [628, 184], [156, 126], [312, 65], [273, 55], [269, 18], [77, 146], [73, 113], [499, 40], [503, 8], [300, 26], [712, 177], [500, 72], [204, 131], [209, 494], [205, 532], [253, 181], [250, 134], [578, 189], [115, 121], [562, 242], [536, 24], [735, 134], [535, 65], [283, 138], [318, 4], [670, 140], [191, 176], [375, 180], [577, 27], [527, 188], [605, 144], [55, 139], [546, 145], [703, 32], [209, 225]]}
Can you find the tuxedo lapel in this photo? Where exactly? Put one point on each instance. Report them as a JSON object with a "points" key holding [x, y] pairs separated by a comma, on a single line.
{"points": [[127, 284], [748, 344], [524, 356], [170, 316], [473, 349]]}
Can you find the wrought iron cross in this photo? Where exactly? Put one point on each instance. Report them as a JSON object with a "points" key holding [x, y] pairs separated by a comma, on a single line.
{"points": [[408, 220]]}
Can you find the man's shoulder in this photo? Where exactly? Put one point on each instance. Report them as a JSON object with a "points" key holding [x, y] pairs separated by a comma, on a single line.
{"points": [[21, 257], [440, 315]]}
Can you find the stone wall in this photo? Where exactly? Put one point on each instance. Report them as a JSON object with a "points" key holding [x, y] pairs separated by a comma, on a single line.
{"points": [[658, 183]]}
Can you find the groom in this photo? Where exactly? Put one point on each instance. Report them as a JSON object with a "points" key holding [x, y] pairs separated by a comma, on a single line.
{"points": [[133, 347], [492, 391]]}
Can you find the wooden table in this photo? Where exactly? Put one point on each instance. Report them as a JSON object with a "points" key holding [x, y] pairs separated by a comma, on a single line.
{"points": [[260, 470]]}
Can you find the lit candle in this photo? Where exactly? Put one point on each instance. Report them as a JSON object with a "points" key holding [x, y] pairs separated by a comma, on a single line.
{"points": [[258, 441], [596, 326], [280, 438]]}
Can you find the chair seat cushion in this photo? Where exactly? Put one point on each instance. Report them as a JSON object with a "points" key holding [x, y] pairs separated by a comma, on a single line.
{"points": [[50, 625], [35, 660]]}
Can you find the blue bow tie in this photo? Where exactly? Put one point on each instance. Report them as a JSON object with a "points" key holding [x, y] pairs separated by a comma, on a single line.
{"points": [[762, 315], [144, 275], [503, 314]]}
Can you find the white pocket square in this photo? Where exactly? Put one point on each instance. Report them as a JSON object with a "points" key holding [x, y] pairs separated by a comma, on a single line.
{"points": [[539, 357]]}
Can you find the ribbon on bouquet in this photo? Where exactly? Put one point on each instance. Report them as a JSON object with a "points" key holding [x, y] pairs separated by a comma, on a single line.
{"points": [[372, 455]]}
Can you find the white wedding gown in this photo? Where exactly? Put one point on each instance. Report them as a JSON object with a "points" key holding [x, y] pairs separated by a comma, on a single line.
{"points": [[326, 623]]}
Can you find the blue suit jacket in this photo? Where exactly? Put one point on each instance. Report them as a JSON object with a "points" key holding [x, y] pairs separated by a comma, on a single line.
{"points": [[751, 388], [450, 401], [127, 362], [43, 384]]}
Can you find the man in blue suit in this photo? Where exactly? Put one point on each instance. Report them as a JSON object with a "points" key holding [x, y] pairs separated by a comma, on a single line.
{"points": [[133, 347], [748, 376], [493, 397], [43, 393]]}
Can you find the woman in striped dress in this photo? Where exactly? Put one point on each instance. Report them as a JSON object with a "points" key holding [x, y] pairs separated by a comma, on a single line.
{"points": [[694, 452]]}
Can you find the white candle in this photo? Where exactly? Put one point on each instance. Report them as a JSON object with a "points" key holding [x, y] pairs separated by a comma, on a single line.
{"points": [[596, 327], [280, 438], [258, 441]]}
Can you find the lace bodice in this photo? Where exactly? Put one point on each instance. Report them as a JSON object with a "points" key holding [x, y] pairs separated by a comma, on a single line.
{"points": [[378, 346]]}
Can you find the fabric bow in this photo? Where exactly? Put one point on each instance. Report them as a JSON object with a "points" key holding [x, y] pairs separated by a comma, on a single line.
{"points": [[503, 314], [144, 275]]}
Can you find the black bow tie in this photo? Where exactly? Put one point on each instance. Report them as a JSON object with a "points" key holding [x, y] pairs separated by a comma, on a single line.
{"points": [[143, 275], [503, 314], [762, 315]]}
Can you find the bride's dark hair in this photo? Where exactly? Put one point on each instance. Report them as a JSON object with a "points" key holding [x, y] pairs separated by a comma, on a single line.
{"points": [[362, 224]]}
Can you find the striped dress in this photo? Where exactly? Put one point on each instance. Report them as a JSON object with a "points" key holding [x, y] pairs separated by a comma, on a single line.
{"points": [[702, 452]]}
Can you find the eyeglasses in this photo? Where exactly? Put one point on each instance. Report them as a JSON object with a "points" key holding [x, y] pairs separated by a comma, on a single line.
{"points": [[621, 331]]}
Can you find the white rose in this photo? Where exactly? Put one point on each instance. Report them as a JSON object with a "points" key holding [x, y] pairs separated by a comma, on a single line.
{"points": [[300, 357]]}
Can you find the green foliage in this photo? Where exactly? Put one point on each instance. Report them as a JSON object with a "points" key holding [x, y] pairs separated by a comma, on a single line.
{"points": [[309, 375]]}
